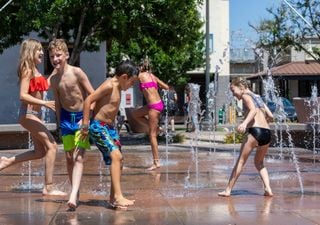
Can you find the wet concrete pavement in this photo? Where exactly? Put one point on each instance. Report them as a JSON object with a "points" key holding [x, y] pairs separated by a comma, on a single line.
{"points": [[183, 191]]}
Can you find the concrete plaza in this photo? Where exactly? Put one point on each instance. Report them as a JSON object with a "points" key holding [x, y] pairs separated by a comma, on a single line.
{"points": [[183, 191]]}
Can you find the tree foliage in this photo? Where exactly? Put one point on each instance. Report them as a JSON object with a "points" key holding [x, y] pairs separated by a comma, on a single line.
{"points": [[291, 27], [167, 31]]}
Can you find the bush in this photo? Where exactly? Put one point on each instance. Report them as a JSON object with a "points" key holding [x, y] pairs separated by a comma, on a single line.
{"points": [[177, 138], [237, 138]]}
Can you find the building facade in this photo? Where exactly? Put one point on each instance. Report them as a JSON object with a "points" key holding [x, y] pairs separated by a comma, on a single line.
{"points": [[219, 63]]}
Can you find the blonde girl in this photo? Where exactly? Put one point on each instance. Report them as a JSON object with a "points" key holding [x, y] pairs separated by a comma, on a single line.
{"points": [[32, 87]]}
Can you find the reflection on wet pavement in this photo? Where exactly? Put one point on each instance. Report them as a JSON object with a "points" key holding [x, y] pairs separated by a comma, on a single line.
{"points": [[162, 196]]}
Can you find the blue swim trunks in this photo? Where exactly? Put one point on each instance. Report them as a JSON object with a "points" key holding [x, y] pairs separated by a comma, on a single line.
{"points": [[70, 130], [105, 137]]}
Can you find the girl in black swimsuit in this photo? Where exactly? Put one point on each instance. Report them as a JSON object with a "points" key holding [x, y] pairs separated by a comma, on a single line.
{"points": [[259, 135]]}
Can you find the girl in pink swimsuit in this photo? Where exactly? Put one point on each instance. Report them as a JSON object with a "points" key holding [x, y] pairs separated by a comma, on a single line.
{"points": [[149, 84]]}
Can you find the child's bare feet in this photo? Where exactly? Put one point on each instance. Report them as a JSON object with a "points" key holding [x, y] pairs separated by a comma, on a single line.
{"points": [[121, 203], [268, 193], [5, 162], [156, 165], [53, 192], [72, 205], [224, 194], [48, 190], [73, 202]]}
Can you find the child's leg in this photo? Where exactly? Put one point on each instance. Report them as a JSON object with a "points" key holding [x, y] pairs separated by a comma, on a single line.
{"points": [[115, 172], [78, 156], [153, 126], [44, 145], [6, 162], [139, 117], [38, 153], [49, 168], [246, 149], [258, 162], [70, 163]]}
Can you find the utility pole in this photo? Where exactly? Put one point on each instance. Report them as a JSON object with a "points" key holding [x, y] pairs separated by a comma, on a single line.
{"points": [[206, 123]]}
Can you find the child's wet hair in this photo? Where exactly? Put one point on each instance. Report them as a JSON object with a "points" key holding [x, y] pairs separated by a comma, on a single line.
{"points": [[145, 64], [238, 82], [127, 67], [58, 44]]}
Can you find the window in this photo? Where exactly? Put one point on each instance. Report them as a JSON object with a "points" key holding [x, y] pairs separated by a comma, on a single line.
{"points": [[210, 43]]}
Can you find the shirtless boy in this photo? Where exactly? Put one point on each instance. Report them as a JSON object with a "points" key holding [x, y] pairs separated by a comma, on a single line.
{"points": [[102, 131], [70, 86]]}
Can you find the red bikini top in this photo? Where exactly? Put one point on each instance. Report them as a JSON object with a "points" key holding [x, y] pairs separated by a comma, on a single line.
{"points": [[38, 83]]}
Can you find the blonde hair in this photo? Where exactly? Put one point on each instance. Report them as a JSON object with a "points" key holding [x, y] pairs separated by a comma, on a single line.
{"points": [[58, 44], [27, 53], [239, 82]]}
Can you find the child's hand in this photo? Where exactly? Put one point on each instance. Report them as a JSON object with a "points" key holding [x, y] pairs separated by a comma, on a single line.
{"points": [[242, 128], [84, 131], [50, 105]]}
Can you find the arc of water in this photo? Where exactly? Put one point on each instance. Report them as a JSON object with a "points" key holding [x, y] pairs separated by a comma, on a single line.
{"points": [[271, 94], [313, 103]]}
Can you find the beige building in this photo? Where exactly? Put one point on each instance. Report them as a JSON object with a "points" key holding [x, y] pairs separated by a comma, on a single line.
{"points": [[219, 62]]}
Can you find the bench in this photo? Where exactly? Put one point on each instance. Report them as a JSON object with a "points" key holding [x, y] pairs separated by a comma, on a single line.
{"points": [[14, 136]]}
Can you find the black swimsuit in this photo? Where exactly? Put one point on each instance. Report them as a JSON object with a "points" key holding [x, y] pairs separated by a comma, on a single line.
{"points": [[262, 135]]}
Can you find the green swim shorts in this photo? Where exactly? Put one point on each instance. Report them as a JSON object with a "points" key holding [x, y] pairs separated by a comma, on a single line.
{"points": [[71, 141]]}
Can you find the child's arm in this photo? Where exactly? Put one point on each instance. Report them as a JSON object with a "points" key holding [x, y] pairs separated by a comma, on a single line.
{"points": [[162, 84], [85, 83], [248, 102], [269, 115]]}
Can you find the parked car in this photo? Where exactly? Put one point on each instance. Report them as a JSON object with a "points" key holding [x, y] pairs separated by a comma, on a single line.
{"points": [[288, 109]]}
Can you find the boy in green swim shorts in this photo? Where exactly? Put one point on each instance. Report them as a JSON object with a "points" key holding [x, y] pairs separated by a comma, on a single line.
{"points": [[70, 86]]}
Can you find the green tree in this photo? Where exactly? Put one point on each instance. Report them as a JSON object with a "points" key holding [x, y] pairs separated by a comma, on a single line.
{"points": [[167, 31], [291, 25]]}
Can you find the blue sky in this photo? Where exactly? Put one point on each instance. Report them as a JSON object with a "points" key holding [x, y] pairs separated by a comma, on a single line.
{"points": [[244, 11]]}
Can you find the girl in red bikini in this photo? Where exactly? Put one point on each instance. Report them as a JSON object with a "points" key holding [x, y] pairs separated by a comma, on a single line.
{"points": [[149, 84], [32, 87]]}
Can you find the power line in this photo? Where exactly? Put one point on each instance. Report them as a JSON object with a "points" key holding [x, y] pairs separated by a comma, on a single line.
{"points": [[5, 5]]}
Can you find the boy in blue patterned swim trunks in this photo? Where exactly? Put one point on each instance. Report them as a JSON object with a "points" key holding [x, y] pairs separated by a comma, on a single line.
{"points": [[104, 135]]}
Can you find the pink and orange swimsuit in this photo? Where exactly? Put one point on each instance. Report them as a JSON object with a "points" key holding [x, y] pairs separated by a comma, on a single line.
{"points": [[152, 84]]}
